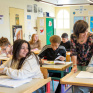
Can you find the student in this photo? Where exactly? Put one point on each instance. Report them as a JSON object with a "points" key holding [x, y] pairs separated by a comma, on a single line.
{"points": [[5, 46], [24, 64], [51, 52], [35, 43], [79, 89], [65, 42], [81, 46]]}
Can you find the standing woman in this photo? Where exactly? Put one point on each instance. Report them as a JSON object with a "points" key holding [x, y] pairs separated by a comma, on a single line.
{"points": [[81, 46], [35, 43], [24, 64]]}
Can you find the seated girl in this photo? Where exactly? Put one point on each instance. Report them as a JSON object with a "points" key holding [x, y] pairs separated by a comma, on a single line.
{"points": [[5, 47], [24, 64], [35, 43]]}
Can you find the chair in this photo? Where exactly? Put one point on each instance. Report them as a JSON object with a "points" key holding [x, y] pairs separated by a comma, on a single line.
{"points": [[45, 74]]}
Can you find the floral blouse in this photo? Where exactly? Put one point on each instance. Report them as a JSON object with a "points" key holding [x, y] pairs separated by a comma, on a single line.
{"points": [[82, 51]]}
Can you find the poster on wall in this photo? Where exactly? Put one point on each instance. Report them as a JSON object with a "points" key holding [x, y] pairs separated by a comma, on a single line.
{"points": [[1, 19], [41, 31], [76, 18], [17, 32], [91, 23], [29, 8], [17, 19], [35, 8]]}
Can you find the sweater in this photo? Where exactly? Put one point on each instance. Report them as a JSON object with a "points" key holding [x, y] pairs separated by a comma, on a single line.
{"points": [[30, 68]]}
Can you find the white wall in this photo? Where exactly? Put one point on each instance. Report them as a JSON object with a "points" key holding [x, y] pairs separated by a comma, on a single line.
{"points": [[22, 4]]}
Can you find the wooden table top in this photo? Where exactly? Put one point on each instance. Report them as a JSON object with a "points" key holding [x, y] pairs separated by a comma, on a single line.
{"points": [[26, 88], [57, 67], [37, 52], [72, 80]]}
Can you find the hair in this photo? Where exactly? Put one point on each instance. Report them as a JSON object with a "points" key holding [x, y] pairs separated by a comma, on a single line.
{"points": [[16, 49], [55, 39], [64, 35], [32, 41], [80, 27], [4, 41]]}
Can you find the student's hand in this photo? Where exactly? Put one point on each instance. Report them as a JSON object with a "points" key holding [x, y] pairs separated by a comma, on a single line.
{"points": [[62, 58], [74, 69], [1, 70], [42, 60], [9, 55]]}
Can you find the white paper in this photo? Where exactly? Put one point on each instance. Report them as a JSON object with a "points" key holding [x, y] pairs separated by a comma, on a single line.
{"points": [[58, 57], [28, 24], [4, 58], [41, 22], [85, 74], [13, 83]]}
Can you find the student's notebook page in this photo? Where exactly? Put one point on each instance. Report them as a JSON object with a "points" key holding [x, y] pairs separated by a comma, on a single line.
{"points": [[6, 81], [85, 74]]}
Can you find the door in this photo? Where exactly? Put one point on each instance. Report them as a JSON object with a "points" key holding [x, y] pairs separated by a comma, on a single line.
{"points": [[16, 19], [49, 29]]}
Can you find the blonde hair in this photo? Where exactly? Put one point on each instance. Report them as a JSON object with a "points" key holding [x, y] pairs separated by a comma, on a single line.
{"points": [[32, 41], [4, 41], [55, 39]]}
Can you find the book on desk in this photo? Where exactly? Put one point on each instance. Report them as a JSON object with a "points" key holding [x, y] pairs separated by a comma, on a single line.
{"points": [[55, 62], [6, 81], [85, 74]]}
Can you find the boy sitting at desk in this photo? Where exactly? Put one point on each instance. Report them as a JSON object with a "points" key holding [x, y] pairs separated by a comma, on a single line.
{"points": [[5, 46], [65, 42], [80, 89], [51, 52]]}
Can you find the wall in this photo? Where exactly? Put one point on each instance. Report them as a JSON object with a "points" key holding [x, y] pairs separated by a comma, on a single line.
{"points": [[76, 9], [85, 12], [22, 4]]}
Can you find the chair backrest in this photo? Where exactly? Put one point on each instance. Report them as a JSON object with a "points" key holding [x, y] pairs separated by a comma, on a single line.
{"points": [[44, 72], [67, 56]]}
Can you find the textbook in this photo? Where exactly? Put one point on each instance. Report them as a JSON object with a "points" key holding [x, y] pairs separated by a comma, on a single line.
{"points": [[6, 81], [56, 61], [85, 74], [53, 62]]}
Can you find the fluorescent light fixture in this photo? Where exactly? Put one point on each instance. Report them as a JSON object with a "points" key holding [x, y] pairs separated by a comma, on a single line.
{"points": [[90, 1]]}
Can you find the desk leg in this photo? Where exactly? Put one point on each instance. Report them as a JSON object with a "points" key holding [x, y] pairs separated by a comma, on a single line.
{"points": [[62, 88], [62, 74], [48, 87]]}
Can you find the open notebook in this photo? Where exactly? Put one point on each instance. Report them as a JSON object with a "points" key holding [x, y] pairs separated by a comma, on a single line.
{"points": [[6, 81], [85, 74], [56, 61]]}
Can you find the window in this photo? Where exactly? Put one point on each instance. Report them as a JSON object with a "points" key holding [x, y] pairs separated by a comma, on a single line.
{"points": [[63, 19]]}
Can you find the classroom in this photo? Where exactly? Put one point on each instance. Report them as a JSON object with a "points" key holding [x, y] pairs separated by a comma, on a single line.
{"points": [[25, 19]]}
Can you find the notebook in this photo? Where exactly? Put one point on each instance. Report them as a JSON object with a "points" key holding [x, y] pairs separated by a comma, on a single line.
{"points": [[6, 81], [85, 74], [54, 62]]}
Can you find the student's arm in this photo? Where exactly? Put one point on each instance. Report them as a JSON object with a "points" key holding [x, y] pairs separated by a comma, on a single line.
{"points": [[30, 68], [39, 45], [73, 52]]}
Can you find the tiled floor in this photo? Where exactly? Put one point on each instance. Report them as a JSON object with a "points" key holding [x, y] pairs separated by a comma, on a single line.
{"points": [[55, 86]]}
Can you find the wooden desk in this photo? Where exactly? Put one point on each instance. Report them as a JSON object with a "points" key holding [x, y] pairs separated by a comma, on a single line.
{"points": [[37, 52], [58, 67], [26, 88], [72, 80]]}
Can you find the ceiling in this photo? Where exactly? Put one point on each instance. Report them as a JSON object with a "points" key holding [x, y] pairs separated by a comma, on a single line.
{"points": [[67, 2]]}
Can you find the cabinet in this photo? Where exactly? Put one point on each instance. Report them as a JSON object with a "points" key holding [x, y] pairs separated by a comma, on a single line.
{"points": [[45, 29]]}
